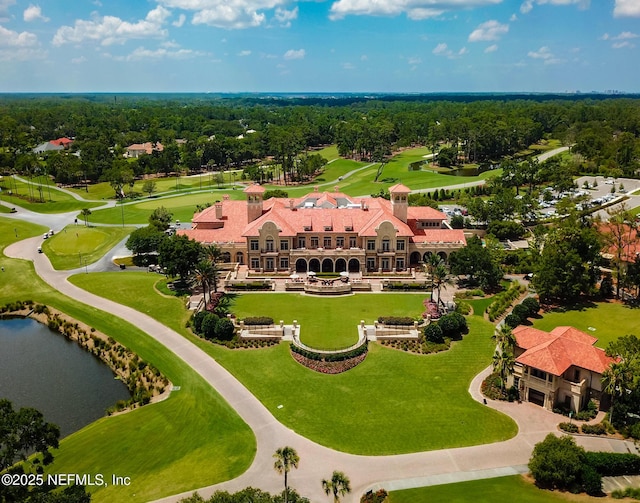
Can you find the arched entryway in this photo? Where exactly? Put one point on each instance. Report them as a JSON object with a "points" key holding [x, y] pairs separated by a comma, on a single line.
{"points": [[414, 259], [426, 257], [341, 265], [314, 265], [301, 265], [443, 256], [226, 257], [327, 265], [240, 258], [354, 265]]}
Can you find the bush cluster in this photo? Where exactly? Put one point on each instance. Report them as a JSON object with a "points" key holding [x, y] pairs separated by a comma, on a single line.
{"points": [[258, 320], [503, 300], [558, 463], [396, 320], [450, 326], [212, 327], [593, 429], [569, 427], [380, 496]]}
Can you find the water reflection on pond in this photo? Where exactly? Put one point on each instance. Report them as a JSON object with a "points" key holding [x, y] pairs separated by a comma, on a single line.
{"points": [[40, 368]]}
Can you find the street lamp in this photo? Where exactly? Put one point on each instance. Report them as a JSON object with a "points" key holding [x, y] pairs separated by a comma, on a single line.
{"points": [[122, 210]]}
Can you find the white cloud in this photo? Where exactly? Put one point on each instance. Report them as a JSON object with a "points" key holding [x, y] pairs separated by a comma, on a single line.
{"points": [[414, 61], [10, 38], [513, 18], [244, 53], [23, 46], [442, 49], [78, 61], [527, 5], [489, 31], [141, 53], [348, 66], [626, 8], [230, 14], [33, 13], [295, 54], [625, 35], [364, 57], [110, 30], [284, 16], [5, 4], [622, 45], [414, 9], [180, 21], [491, 48], [545, 54]]}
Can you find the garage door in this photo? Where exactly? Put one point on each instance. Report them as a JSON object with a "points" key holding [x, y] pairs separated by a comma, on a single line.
{"points": [[536, 397]]}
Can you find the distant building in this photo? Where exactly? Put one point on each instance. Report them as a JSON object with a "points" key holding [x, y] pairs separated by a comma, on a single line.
{"points": [[138, 149], [558, 368], [53, 145], [326, 232]]}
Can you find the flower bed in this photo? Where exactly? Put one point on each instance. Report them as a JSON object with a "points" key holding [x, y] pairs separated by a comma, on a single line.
{"points": [[324, 367]]}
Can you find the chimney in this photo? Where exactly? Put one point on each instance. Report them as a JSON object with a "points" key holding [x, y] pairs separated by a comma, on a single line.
{"points": [[218, 206], [225, 197]]}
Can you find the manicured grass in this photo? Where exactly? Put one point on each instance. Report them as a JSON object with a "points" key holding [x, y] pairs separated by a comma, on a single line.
{"points": [[329, 153], [610, 320], [190, 440], [54, 200], [514, 488], [77, 245], [182, 207], [356, 411], [328, 323], [4, 209]]}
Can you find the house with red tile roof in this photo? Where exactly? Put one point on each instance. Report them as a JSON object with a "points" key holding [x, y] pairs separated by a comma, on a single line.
{"points": [[325, 232], [561, 368], [138, 149], [53, 145]]}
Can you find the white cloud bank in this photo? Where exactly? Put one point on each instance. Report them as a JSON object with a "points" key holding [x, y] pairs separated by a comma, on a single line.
{"points": [[489, 32], [414, 9], [108, 30], [627, 8], [34, 13]]}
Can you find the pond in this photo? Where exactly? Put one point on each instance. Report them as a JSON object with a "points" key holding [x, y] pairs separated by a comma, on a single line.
{"points": [[42, 369]]}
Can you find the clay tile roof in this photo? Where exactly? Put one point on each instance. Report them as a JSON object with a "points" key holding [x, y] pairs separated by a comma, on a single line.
{"points": [[254, 189], [400, 188], [554, 352]]}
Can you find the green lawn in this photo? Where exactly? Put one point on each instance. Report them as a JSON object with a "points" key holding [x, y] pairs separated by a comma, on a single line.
{"points": [[190, 440], [54, 200], [486, 491], [182, 207], [356, 411], [329, 322], [77, 245], [610, 320], [4, 209]]}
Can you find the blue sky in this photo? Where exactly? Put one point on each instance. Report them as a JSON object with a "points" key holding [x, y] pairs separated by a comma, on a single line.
{"points": [[319, 46]]}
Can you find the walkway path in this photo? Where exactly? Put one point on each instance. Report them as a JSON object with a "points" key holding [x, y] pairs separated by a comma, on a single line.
{"points": [[317, 462]]}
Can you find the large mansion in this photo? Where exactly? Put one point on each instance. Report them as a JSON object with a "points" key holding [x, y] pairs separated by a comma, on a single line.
{"points": [[558, 368], [325, 232]]}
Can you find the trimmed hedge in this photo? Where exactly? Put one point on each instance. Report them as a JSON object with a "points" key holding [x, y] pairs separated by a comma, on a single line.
{"points": [[405, 286], [258, 320], [256, 285], [569, 427], [330, 357], [613, 464], [503, 301], [396, 320]]}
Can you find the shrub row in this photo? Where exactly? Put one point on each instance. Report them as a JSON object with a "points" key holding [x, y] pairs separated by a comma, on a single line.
{"points": [[255, 285], [18, 305], [614, 464], [527, 308], [450, 326], [329, 357], [396, 320], [396, 285], [503, 300], [593, 429], [258, 320], [329, 367], [569, 427]]}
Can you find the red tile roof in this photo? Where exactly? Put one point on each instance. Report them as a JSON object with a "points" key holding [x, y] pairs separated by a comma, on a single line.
{"points": [[64, 142], [554, 352], [398, 187], [629, 239]]}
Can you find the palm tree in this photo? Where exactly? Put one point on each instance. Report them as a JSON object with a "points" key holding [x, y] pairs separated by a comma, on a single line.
{"points": [[503, 363], [440, 278], [338, 485], [286, 458], [204, 274], [505, 340], [613, 381], [85, 213], [213, 253]]}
